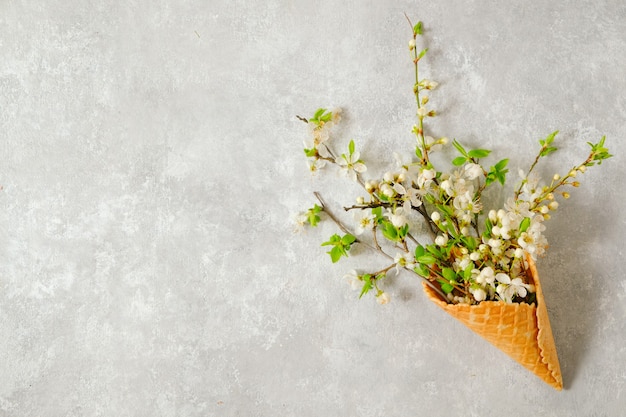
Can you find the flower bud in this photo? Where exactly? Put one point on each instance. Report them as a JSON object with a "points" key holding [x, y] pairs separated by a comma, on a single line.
{"points": [[576, 184], [360, 200], [443, 141], [565, 195], [553, 205], [582, 168], [556, 177], [383, 298], [370, 186], [411, 44], [493, 216], [435, 216], [573, 173]]}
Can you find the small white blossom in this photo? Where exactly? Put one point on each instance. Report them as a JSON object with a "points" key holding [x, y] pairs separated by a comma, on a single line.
{"points": [[426, 177], [353, 279], [383, 298], [479, 294], [509, 288], [364, 221], [397, 217], [351, 165], [472, 171], [404, 260], [486, 276]]}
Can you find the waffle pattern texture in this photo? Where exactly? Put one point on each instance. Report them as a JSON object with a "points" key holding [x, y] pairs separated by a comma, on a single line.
{"points": [[520, 330]]}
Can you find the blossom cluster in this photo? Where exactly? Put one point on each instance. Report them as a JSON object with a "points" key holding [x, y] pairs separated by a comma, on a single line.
{"points": [[468, 253]]}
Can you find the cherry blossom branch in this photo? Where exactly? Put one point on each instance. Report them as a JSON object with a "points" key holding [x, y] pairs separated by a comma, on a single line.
{"points": [[377, 249]]}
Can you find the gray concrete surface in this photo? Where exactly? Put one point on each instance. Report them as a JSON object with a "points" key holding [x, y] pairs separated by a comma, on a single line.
{"points": [[151, 163]]}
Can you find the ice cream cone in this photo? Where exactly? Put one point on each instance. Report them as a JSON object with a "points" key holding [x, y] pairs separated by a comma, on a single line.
{"points": [[522, 331]]}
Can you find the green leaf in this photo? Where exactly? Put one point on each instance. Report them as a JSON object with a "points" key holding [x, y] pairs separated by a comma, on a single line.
{"points": [[332, 241], [310, 152], [347, 240], [467, 272], [426, 259], [547, 151], [488, 227], [469, 242], [460, 148], [367, 284], [422, 53], [336, 253], [313, 219], [378, 213], [418, 152], [479, 153], [419, 251], [351, 147], [501, 164], [434, 250], [417, 29], [327, 117], [524, 224], [548, 140], [390, 232], [449, 274], [422, 270], [446, 287], [318, 113], [459, 160]]}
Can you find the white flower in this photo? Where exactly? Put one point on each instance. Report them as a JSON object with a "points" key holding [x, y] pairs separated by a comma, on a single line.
{"points": [[479, 294], [387, 190], [422, 112], [412, 198], [486, 276], [397, 217], [428, 84], [404, 260], [383, 298], [316, 165], [426, 177], [434, 145], [509, 288], [473, 171], [351, 165], [527, 242], [300, 220], [441, 240], [435, 216], [364, 221], [353, 279]]}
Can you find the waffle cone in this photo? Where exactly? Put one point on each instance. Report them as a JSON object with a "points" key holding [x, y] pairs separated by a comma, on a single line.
{"points": [[520, 330]]}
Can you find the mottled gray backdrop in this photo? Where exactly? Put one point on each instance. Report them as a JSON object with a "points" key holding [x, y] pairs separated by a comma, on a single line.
{"points": [[152, 162]]}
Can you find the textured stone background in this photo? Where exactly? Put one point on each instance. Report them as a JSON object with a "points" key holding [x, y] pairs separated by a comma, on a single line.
{"points": [[151, 163]]}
